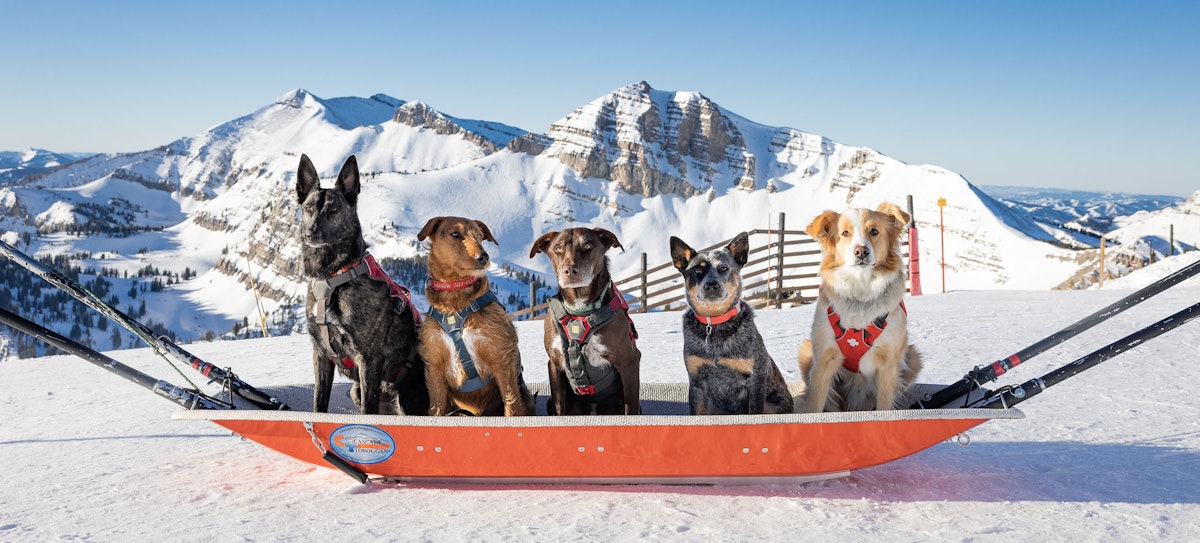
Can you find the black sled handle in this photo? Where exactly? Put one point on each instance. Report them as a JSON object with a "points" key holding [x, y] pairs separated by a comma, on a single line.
{"points": [[1010, 396], [983, 374]]}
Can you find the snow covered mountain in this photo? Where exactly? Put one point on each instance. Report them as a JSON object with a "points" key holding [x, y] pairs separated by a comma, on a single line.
{"points": [[185, 234], [1087, 211], [1159, 228], [1141, 244], [15, 165]]}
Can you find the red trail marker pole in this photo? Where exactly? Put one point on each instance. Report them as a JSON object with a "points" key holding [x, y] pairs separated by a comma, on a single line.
{"points": [[914, 253]]}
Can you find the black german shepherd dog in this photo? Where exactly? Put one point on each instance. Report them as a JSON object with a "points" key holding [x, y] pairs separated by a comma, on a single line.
{"points": [[356, 322]]}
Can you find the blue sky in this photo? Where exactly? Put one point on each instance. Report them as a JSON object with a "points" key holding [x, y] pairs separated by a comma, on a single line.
{"points": [[1088, 95]]}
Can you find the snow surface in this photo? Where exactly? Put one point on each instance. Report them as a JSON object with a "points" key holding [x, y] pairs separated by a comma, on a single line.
{"points": [[1113, 455]]}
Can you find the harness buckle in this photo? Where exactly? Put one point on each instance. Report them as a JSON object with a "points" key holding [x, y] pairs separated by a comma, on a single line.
{"points": [[454, 322], [576, 328], [586, 391]]}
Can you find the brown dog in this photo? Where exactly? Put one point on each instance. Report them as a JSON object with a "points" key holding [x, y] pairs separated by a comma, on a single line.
{"points": [[859, 357], [472, 362], [594, 360]]}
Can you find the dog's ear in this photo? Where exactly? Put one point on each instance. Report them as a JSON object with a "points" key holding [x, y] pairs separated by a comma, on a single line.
{"points": [[894, 210], [487, 234], [542, 244], [681, 254], [429, 228], [306, 178], [739, 247], [610, 239], [823, 225], [347, 180]]}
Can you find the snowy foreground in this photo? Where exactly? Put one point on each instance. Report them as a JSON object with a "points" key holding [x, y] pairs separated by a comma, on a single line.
{"points": [[1112, 455]]}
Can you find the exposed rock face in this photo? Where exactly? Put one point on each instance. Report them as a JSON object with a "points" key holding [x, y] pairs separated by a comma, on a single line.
{"points": [[272, 245], [10, 206], [654, 142], [490, 137], [533, 144], [418, 114]]}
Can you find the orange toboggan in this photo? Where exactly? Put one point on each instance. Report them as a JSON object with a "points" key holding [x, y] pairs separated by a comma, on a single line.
{"points": [[669, 447]]}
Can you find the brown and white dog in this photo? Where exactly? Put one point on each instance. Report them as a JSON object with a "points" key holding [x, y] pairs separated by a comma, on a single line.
{"points": [[472, 364], [859, 357], [594, 360]]}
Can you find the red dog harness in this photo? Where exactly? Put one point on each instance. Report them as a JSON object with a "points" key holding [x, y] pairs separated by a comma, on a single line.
{"points": [[575, 328], [323, 291], [854, 342]]}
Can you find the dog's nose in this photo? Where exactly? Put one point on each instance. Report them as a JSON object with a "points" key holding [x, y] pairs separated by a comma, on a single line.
{"points": [[482, 257], [862, 252], [712, 286]]}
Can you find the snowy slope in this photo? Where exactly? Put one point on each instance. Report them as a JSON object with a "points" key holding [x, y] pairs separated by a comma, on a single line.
{"points": [[1155, 227], [1139, 278], [1112, 455]]}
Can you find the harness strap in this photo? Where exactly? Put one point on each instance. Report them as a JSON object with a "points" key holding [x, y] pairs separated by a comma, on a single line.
{"points": [[854, 342], [452, 324], [323, 290], [575, 329]]}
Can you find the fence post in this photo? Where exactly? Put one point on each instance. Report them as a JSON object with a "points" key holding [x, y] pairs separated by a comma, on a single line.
{"points": [[1172, 240], [1103, 269], [644, 297], [914, 253], [779, 266], [532, 298]]}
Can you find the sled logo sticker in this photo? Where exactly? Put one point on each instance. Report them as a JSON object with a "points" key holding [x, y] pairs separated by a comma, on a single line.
{"points": [[362, 444]]}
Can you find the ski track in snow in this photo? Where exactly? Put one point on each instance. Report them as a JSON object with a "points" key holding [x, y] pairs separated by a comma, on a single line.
{"points": [[1112, 455]]}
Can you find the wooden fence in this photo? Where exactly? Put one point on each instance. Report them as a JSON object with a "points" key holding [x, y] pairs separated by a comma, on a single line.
{"points": [[782, 269]]}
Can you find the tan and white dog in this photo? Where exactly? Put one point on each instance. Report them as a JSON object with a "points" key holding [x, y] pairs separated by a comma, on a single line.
{"points": [[859, 357]]}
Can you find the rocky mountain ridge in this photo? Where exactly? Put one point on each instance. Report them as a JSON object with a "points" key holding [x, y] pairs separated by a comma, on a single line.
{"points": [[638, 161]]}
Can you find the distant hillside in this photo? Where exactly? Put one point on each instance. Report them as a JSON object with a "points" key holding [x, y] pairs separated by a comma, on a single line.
{"points": [[1092, 212], [17, 164]]}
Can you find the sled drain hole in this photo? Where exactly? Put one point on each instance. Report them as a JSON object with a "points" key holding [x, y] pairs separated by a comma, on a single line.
{"points": [[598, 449], [746, 450]]}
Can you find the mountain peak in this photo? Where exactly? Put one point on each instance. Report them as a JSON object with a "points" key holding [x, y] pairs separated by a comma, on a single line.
{"points": [[387, 100], [654, 142], [296, 98], [641, 87]]}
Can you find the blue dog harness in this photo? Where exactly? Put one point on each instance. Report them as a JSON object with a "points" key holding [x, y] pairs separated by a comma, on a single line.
{"points": [[452, 324]]}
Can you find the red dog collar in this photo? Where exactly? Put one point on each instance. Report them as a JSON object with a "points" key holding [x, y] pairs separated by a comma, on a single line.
{"points": [[723, 317], [453, 285]]}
